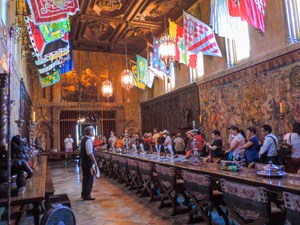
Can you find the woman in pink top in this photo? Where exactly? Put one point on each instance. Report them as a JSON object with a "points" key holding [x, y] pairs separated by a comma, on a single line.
{"points": [[236, 146]]}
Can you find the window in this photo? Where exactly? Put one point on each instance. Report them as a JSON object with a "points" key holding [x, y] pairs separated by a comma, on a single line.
{"points": [[292, 10], [242, 44], [197, 72], [239, 49]]}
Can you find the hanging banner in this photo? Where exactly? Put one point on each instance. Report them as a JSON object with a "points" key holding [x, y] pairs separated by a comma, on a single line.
{"points": [[199, 37], [38, 43], [54, 31], [136, 82], [50, 79], [49, 11], [142, 71], [176, 32]]}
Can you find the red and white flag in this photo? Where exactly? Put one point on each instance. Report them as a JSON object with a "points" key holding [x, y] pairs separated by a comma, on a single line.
{"points": [[253, 11], [199, 37]]}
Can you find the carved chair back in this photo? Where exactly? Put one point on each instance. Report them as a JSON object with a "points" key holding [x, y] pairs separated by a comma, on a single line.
{"points": [[292, 205], [249, 202]]}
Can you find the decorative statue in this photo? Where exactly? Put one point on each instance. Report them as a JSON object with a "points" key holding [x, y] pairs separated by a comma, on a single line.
{"points": [[19, 165], [186, 114]]}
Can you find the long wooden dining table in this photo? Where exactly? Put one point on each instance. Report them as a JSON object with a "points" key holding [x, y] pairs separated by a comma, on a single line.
{"points": [[288, 183]]}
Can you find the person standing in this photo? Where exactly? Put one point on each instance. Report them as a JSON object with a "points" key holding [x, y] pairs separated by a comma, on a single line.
{"points": [[292, 164], [236, 150], [68, 148], [87, 161], [251, 145], [155, 137], [215, 149], [179, 144], [69, 143], [268, 151]]}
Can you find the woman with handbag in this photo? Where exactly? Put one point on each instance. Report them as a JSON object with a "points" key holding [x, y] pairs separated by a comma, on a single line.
{"points": [[293, 139]]}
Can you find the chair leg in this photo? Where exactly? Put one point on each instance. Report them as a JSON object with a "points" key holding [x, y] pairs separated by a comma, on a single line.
{"points": [[221, 213]]}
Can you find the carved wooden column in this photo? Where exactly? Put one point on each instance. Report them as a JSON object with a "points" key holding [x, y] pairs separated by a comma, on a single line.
{"points": [[3, 111]]}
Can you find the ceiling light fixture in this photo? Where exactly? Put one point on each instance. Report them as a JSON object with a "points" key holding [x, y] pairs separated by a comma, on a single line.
{"points": [[127, 75], [166, 47]]}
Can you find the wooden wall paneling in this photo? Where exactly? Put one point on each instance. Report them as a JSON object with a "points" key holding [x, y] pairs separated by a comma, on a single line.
{"points": [[166, 111]]}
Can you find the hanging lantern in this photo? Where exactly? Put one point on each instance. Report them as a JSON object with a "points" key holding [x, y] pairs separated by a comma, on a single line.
{"points": [[127, 79], [107, 89], [166, 50]]}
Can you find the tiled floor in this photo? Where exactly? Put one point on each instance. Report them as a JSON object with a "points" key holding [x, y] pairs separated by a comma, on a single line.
{"points": [[114, 204]]}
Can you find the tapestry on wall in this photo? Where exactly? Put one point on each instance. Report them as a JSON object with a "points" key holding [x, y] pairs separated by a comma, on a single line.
{"points": [[82, 86], [252, 100]]}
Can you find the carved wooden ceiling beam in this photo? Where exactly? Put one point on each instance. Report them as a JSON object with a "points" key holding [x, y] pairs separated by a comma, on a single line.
{"points": [[134, 7], [151, 25]]}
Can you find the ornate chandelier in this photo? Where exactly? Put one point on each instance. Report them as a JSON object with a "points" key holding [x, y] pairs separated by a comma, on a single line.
{"points": [[166, 49], [107, 89], [127, 79], [127, 75]]}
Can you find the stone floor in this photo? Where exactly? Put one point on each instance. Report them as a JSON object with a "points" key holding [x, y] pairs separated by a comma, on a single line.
{"points": [[114, 204]]}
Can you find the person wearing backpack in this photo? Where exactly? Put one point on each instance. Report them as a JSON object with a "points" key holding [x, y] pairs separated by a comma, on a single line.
{"points": [[293, 139], [268, 151]]}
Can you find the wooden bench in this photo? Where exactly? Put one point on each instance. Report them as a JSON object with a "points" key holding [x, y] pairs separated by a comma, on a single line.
{"points": [[49, 187]]}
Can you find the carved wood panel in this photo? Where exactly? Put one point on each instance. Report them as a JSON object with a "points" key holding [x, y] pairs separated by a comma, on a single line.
{"points": [[174, 111], [25, 109]]}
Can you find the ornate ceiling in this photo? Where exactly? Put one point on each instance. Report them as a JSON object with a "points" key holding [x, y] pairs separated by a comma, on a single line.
{"points": [[101, 25]]}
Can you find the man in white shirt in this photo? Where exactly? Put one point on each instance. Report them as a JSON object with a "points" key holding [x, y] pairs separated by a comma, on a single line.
{"points": [[268, 151], [87, 161], [69, 143]]}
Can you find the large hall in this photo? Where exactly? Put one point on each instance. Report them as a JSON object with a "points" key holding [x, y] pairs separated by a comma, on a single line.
{"points": [[126, 112]]}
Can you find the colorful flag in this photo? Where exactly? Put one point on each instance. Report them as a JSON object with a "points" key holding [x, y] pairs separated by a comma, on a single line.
{"points": [[176, 32], [54, 31], [39, 44], [50, 79], [198, 37], [142, 72], [221, 22], [68, 65], [251, 11], [49, 11], [158, 67], [234, 8], [159, 74], [136, 82]]}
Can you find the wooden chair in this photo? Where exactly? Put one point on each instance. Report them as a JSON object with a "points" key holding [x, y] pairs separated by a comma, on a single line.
{"points": [[171, 187], [123, 170], [292, 205], [250, 205], [100, 160], [107, 164], [115, 166], [200, 190], [149, 178], [134, 174]]}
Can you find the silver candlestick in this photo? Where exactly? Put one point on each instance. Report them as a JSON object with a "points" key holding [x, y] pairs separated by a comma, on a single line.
{"points": [[194, 157]]}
